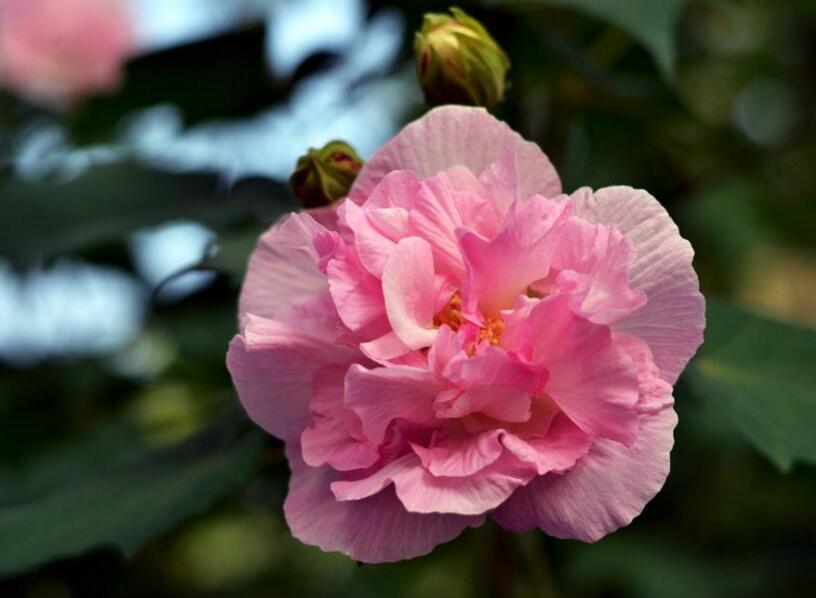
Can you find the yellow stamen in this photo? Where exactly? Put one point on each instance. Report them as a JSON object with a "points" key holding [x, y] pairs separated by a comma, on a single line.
{"points": [[492, 331], [451, 314]]}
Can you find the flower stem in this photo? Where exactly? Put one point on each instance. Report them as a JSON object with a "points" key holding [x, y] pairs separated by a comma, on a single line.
{"points": [[518, 566]]}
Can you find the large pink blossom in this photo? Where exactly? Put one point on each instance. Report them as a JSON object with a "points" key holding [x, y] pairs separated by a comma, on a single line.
{"points": [[461, 339], [56, 51]]}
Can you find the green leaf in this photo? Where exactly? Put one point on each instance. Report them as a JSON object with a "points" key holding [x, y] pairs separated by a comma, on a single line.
{"points": [[762, 373], [113, 491], [109, 202], [219, 77], [650, 22], [646, 566], [232, 251]]}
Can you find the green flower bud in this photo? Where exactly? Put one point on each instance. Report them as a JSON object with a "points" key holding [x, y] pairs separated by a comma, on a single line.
{"points": [[324, 175], [458, 62]]}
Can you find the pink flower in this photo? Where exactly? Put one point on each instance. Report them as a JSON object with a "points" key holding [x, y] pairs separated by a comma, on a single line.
{"points": [[56, 51], [460, 339]]}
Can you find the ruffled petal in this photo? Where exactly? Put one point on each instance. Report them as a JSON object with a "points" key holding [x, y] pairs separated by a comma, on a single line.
{"points": [[387, 349], [336, 436], [383, 220], [445, 202], [327, 442], [493, 367], [590, 379], [410, 293], [461, 455], [382, 395], [365, 485], [594, 263], [447, 345], [673, 319], [283, 269], [655, 393], [397, 189], [556, 451], [457, 135], [501, 268], [502, 403], [273, 365], [605, 490], [356, 294], [502, 181], [374, 530], [422, 492]]}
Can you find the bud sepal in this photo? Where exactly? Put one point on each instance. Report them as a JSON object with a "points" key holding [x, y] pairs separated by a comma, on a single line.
{"points": [[322, 176]]}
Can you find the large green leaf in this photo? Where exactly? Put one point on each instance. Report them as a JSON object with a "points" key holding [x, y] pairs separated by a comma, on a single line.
{"points": [[637, 565], [113, 491], [651, 22], [43, 218], [763, 373], [219, 77]]}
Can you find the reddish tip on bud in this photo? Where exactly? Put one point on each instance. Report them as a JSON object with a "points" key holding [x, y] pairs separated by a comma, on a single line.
{"points": [[322, 176]]}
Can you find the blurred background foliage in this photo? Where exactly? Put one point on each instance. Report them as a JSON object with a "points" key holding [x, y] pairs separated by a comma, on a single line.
{"points": [[126, 466]]}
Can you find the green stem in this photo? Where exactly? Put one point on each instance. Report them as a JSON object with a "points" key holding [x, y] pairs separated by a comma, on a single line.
{"points": [[518, 566]]}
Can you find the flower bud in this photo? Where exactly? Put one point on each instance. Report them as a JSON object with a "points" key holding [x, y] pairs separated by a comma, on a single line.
{"points": [[324, 175], [458, 62]]}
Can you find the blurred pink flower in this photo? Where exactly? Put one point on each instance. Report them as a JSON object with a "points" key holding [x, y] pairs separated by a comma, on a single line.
{"points": [[461, 339], [55, 52]]}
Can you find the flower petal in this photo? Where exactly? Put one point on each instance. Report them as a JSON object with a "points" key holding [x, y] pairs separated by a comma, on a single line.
{"points": [[557, 451], [461, 455], [500, 269], [673, 319], [501, 180], [389, 350], [383, 220], [422, 492], [273, 365], [397, 189], [492, 366], [594, 263], [381, 395], [457, 135], [447, 201], [655, 393], [374, 530], [327, 442], [409, 291], [356, 294], [336, 436], [605, 490], [591, 380], [283, 269], [503, 403]]}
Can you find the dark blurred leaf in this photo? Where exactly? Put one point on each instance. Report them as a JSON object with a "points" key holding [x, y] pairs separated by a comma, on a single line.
{"points": [[725, 223], [651, 22], [232, 252], [112, 491], [74, 394], [109, 202], [627, 564], [201, 334], [762, 372], [219, 77]]}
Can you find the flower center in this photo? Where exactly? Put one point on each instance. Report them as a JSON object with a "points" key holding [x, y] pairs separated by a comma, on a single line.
{"points": [[451, 315], [492, 331]]}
